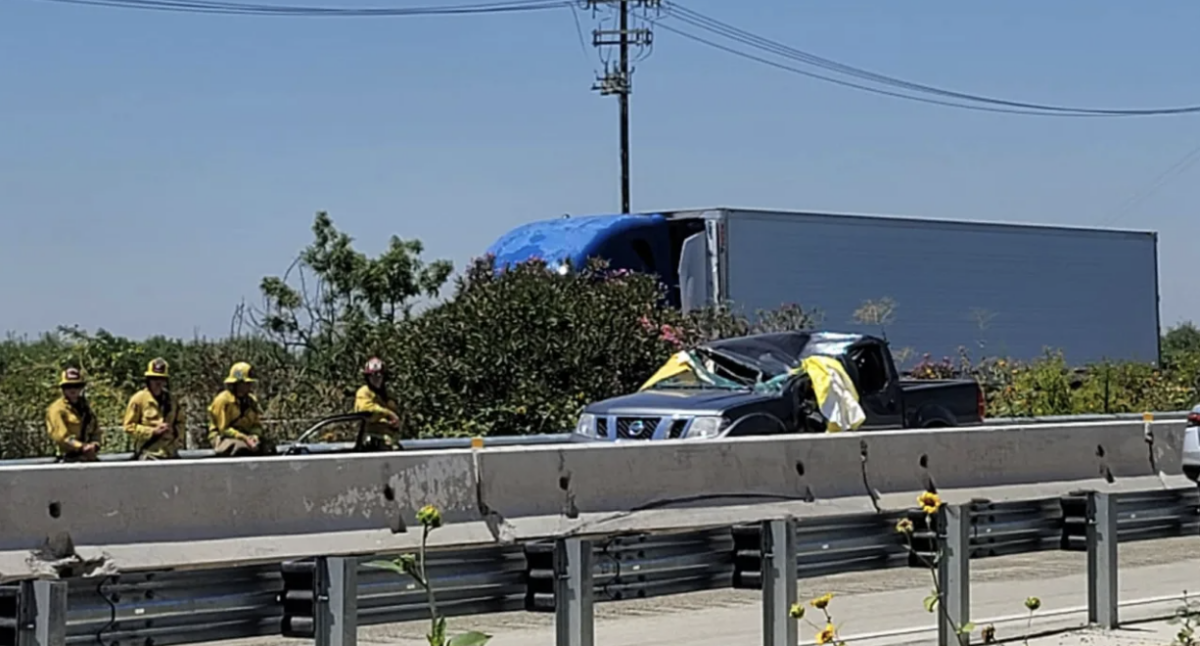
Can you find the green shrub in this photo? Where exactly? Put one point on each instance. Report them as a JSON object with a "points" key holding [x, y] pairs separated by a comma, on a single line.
{"points": [[1048, 386]]}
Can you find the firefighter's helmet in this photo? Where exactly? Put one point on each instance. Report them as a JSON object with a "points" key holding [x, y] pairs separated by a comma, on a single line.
{"points": [[157, 369], [72, 377], [240, 373], [374, 366]]}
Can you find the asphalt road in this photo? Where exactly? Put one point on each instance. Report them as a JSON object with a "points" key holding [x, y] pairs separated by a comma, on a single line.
{"points": [[870, 607]]}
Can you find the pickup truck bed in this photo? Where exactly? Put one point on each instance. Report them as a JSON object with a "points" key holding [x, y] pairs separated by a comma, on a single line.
{"points": [[955, 402]]}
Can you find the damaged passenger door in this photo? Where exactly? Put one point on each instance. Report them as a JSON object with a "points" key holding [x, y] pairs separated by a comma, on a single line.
{"points": [[878, 386]]}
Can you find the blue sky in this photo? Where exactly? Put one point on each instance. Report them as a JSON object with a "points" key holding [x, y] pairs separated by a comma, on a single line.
{"points": [[153, 167]]}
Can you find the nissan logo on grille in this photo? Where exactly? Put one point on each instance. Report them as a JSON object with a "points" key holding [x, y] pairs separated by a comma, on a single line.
{"points": [[636, 427]]}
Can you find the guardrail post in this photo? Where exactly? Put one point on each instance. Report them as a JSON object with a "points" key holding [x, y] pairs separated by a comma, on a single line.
{"points": [[573, 613], [336, 620], [954, 574], [1102, 559], [42, 613], [779, 582]]}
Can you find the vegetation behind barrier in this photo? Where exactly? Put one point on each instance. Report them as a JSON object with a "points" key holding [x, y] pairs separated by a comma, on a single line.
{"points": [[508, 353]]}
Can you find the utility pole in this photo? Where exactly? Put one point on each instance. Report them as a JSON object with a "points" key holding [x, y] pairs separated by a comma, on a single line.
{"points": [[619, 80]]}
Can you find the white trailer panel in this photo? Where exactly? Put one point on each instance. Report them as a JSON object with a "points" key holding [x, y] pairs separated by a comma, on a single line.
{"points": [[1015, 290]]}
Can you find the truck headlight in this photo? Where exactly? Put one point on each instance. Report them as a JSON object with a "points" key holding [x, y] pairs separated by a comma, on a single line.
{"points": [[586, 426], [706, 427]]}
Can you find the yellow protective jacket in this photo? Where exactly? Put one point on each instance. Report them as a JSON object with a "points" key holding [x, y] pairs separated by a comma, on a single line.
{"points": [[227, 417], [143, 414], [66, 426], [369, 401]]}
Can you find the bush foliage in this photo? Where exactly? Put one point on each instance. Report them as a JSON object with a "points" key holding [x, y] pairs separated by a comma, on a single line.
{"points": [[513, 352]]}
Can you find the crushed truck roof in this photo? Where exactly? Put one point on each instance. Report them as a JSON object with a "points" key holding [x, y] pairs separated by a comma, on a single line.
{"points": [[776, 353]]}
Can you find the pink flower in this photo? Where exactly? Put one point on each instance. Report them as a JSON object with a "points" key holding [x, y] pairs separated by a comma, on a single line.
{"points": [[670, 335]]}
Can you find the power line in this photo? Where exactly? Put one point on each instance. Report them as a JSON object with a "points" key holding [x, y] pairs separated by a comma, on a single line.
{"points": [[865, 88], [1181, 166], [718, 27], [579, 32], [612, 80], [760, 43], [259, 9]]}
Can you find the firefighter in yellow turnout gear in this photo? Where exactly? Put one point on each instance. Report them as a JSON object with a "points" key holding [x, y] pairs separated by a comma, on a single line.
{"points": [[70, 421], [153, 420], [383, 429], [235, 419]]}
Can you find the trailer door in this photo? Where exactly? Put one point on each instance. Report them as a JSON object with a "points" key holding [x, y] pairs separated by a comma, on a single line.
{"points": [[695, 284]]}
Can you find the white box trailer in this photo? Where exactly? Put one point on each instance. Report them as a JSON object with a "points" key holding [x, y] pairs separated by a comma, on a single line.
{"points": [[996, 289]]}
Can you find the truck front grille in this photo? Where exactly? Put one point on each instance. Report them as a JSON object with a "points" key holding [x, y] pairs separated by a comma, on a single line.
{"points": [[636, 428]]}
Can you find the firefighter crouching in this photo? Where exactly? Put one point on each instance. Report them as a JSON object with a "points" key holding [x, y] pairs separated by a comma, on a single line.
{"points": [[153, 419], [235, 420], [70, 422], [383, 429]]}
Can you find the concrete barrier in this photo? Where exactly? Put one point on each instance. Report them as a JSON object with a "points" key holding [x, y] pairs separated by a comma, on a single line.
{"points": [[692, 484], [198, 513]]}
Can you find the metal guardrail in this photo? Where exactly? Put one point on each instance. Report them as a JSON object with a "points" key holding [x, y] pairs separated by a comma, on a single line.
{"points": [[865, 543], [1000, 529], [510, 578], [1140, 516], [433, 444], [170, 608], [639, 566], [824, 546], [166, 608], [10, 614], [471, 581], [996, 529]]}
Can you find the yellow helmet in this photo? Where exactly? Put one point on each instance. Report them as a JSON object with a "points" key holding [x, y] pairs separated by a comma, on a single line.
{"points": [[72, 377], [157, 368], [241, 372]]}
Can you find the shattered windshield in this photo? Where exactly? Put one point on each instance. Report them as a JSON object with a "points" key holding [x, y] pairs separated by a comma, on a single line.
{"points": [[762, 362], [689, 381], [703, 371]]}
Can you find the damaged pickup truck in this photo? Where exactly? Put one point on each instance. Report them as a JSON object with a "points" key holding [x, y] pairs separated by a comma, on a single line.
{"points": [[788, 382]]}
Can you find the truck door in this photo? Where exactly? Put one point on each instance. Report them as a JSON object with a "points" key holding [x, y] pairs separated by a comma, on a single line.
{"points": [[878, 389], [695, 279]]}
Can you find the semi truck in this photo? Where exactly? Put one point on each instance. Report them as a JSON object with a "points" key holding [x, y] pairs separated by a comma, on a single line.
{"points": [[935, 286]]}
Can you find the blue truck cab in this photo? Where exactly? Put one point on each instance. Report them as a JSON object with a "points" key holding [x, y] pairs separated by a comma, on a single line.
{"points": [[653, 243]]}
